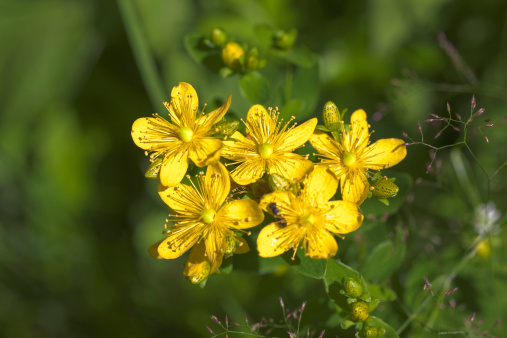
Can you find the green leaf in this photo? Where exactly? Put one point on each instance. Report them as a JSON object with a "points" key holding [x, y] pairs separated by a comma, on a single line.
{"points": [[305, 86], [254, 87], [299, 56], [385, 259], [292, 108], [377, 322], [322, 127], [381, 292], [335, 277], [211, 58], [315, 268]]}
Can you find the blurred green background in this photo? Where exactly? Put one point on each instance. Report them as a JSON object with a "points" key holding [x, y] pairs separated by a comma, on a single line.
{"points": [[77, 214]]}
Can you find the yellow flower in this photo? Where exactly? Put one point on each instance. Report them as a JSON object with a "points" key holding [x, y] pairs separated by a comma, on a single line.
{"points": [[309, 217], [353, 157], [205, 223], [182, 138], [268, 147]]}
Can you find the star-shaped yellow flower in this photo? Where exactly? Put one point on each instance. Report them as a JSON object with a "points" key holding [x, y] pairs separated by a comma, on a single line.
{"points": [[205, 223], [268, 147], [353, 157], [308, 217], [182, 138]]}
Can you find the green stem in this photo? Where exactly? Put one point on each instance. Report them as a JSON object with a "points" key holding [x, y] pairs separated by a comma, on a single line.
{"points": [[142, 53]]}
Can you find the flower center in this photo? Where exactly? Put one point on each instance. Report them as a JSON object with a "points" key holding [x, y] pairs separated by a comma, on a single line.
{"points": [[349, 159], [307, 220], [265, 150], [208, 216], [186, 134]]}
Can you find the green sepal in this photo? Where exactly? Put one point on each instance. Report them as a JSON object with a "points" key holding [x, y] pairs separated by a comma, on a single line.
{"points": [[346, 324], [322, 128], [373, 304], [383, 201]]}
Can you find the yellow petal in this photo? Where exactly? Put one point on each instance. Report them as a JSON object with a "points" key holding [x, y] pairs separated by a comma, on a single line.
{"points": [[153, 133], [320, 186], [153, 250], [217, 184], [242, 247], [291, 166], [205, 151], [273, 241], [296, 137], [240, 214], [197, 261], [182, 199], [257, 113], [359, 116], [215, 244], [249, 171], [354, 187], [343, 217], [173, 169], [178, 242], [184, 104], [324, 144], [320, 245], [204, 123], [385, 153], [240, 149]]}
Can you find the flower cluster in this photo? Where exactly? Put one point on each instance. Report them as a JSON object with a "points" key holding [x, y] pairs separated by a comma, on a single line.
{"points": [[209, 221]]}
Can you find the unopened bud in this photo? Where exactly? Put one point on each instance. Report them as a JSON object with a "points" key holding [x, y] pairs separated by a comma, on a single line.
{"points": [[278, 182], [230, 245], [153, 170], [201, 276], [225, 128], [353, 288], [251, 62], [218, 36], [231, 54], [359, 311], [370, 332], [480, 112], [285, 40], [384, 188], [330, 115], [472, 103]]}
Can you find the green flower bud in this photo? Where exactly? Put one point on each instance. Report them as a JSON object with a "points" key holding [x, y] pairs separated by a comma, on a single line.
{"points": [[285, 40], [384, 188], [359, 311], [202, 276], [225, 128], [353, 288], [218, 36], [251, 62], [153, 170], [231, 54], [381, 331], [370, 332], [278, 182], [330, 115], [230, 245]]}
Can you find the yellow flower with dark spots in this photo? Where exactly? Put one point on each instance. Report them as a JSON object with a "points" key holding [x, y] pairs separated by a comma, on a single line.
{"points": [[184, 137], [308, 218], [203, 222], [268, 147], [353, 157]]}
